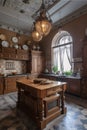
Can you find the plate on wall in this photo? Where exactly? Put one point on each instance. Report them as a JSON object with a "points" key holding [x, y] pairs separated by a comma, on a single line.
{"points": [[25, 47], [5, 44], [16, 46], [15, 39]]}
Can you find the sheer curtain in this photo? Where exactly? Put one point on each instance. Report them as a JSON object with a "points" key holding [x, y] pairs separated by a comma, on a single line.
{"points": [[62, 54], [55, 56]]}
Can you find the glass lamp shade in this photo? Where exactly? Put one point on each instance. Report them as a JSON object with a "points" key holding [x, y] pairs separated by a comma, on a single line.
{"points": [[36, 36], [43, 27]]}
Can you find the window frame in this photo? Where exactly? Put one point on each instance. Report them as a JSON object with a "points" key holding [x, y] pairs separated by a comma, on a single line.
{"points": [[55, 40]]}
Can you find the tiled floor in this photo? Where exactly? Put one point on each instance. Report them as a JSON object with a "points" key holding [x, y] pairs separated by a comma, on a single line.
{"points": [[75, 118]]}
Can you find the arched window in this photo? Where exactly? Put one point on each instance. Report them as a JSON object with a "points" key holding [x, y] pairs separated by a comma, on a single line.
{"points": [[62, 51]]}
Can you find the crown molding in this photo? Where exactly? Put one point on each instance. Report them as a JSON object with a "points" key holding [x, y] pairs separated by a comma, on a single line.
{"points": [[69, 18]]}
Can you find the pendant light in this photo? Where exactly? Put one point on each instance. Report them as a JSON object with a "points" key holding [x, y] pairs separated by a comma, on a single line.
{"points": [[42, 25]]}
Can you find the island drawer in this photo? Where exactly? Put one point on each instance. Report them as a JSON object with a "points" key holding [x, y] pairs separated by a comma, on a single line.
{"points": [[54, 90]]}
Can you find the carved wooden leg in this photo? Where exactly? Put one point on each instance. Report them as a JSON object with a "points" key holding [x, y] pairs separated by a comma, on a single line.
{"points": [[40, 109], [19, 97], [63, 102], [41, 121]]}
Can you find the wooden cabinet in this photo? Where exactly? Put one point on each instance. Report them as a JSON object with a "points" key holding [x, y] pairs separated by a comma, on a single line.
{"points": [[8, 53], [84, 87], [74, 86], [14, 54], [84, 57], [37, 62], [84, 71], [10, 83], [22, 55], [1, 85]]}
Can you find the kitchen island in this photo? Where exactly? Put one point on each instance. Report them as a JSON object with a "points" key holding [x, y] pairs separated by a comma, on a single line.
{"points": [[42, 99]]}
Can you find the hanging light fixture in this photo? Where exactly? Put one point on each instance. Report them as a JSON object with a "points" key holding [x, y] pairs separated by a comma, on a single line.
{"points": [[36, 35], [42, 24]]}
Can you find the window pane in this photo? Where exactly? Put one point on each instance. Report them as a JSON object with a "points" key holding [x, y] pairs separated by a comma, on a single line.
{"points": [[65, 39]]}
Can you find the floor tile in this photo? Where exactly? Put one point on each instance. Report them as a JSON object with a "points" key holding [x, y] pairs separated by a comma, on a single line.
{"points": [[74, 119]]}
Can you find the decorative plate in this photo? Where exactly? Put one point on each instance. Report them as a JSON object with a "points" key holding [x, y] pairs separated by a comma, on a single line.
{"points": [[16, 46], [5, 43], [25, 47], [15, 39]]}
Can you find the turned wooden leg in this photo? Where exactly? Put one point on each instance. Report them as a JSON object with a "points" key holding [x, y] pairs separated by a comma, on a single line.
{"points": [[40, 109], [19, 96], [62, 102], [64, 109]]}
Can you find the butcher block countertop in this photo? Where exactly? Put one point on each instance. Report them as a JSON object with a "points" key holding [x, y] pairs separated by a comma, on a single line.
{"points": [[41, 84]]}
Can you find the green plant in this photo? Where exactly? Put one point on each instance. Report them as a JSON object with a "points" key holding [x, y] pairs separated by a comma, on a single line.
{"points": [[68, 73], [55, 69]]}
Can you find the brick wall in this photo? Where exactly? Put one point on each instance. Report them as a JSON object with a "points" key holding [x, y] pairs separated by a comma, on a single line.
{"points": [[77, 30]]}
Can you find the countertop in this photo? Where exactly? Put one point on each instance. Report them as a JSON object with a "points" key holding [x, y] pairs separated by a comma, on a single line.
{"points": [[13, 75], [45, 74], [61, 76], [50, 84]]}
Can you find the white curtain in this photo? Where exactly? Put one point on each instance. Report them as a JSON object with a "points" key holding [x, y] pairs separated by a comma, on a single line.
{"points": [[55, 56], [62, 57], [62, 53]]}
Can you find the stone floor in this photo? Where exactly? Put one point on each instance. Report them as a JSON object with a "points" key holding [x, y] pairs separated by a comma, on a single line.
{"points": [[74, 119]]}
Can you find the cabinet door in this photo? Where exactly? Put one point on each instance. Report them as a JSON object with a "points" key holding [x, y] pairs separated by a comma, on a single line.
{"points": [[26, 57], [74, 87], [84, 87], [10, 84], [40, 64], [19, 56], [34, 64], [5, 55], [1, 85], [37, 62], [85, 60], [8, 53], [12, 56], [1, 55], [22, 54]]}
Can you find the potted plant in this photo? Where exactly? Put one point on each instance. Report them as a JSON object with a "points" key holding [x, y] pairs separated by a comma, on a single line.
{"points": [[55, 69], [68, 73]]}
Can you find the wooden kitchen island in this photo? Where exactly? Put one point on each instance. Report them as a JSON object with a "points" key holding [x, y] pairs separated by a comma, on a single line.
{"points": [[42, 99]]}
